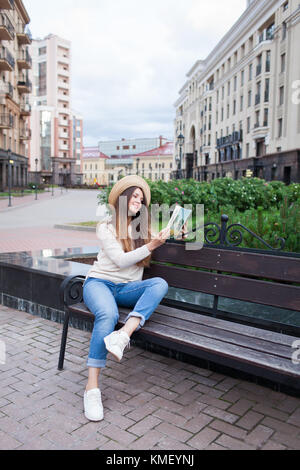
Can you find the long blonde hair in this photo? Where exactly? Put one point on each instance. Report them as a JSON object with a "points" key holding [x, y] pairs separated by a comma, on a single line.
{"points": [[123, 221]]}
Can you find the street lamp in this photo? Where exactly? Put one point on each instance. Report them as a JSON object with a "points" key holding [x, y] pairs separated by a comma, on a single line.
{"points": [[36, 179], [10, 162], [180, 141], [52, 178]]}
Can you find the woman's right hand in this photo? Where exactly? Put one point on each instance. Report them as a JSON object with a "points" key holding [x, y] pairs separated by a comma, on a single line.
{"points": [[159, 239]]}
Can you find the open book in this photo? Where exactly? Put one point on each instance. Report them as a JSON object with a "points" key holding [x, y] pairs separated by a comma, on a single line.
{"points": [[178, 219]]}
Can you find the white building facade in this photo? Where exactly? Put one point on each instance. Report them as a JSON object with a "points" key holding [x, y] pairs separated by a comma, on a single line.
{"points": [[57, 131], [128, 147], [239, 108]]}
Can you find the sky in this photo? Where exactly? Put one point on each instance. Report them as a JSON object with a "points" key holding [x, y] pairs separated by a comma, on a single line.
{"points": [[130, 57]]}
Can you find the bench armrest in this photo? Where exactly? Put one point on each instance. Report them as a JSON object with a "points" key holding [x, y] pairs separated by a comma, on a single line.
{"points": [[71, 290]]}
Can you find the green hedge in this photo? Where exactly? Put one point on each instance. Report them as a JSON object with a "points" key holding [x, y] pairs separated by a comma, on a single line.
{"points": [[270, 210]]}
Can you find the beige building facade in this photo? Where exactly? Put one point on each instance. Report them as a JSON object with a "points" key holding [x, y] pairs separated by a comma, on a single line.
{"points": [[93, 167], [15, 87], [155, 164], [239, 109], [57, 131]]}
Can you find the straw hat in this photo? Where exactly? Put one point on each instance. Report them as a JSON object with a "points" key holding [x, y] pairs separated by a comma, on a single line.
{"points": [[127, 182]]}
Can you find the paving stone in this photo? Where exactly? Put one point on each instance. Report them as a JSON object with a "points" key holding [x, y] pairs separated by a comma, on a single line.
{"points": [[250, 420], [233, 444], [203, 439], [150, 401]]}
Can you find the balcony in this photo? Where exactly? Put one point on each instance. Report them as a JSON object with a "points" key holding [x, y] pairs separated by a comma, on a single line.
{"points": [[24, 60], [25, 134], [7, 90], [6, 4], [25, 109], [24, 35], [24, 86], [7, 62], [7, 31], [6, 121]]}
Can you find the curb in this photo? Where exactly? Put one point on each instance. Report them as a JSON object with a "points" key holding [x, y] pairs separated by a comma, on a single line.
{"points": [[75, 227]]}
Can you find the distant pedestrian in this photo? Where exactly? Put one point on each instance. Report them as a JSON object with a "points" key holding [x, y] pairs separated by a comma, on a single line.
{"points": [[115, 280]]}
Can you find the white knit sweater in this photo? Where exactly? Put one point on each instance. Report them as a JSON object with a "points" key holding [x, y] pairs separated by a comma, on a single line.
{"points": [[112, 263]]}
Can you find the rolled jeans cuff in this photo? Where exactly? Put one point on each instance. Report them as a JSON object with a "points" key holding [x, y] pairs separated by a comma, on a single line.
{"points": [[139, 315], [97, 363]]}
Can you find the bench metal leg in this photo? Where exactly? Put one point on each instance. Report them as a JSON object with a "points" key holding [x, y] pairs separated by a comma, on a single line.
{"points": [[63, 341]]}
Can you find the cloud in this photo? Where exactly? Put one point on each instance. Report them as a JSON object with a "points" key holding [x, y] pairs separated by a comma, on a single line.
{"points": [[129, 59]]}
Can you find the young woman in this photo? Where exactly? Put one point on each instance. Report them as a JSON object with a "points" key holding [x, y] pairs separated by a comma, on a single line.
{"points": [[116, 279]]}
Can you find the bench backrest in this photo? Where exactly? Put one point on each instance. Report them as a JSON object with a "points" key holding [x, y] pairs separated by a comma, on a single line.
{"points": [[250, 276]]}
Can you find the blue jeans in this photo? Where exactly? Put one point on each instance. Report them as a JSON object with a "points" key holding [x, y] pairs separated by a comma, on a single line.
{"points": [[102, 298]]}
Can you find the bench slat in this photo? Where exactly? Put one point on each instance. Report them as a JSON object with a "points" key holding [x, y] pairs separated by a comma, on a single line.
{"points": [[251, 264], [252, 290], [166, 329], [194, 341], [226, 336], [239, 328]]}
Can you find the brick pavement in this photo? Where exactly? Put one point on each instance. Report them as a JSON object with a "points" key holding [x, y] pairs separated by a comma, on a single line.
{"points": [[150, 401], [40, 238]]}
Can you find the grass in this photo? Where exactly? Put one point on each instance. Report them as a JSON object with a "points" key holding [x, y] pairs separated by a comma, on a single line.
{"points": [[26, 192], [85, 224]]}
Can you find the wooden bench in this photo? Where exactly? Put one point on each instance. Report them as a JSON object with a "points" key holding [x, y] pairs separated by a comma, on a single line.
{"points": [[209, 333]]}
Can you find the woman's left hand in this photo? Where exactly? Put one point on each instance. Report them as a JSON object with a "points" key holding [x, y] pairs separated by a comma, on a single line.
{"points": [[182, 234]]}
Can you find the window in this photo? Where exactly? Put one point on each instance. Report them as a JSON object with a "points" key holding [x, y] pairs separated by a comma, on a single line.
{"points": [[242, 77], [250, 71], [268, 61], [257, 119], [248, 124], [267, 89], [228, 88], [266, 115], [249, 98], [42, 79], [234, 107], [280, 127], [42, 50], [235, 83], [281, 95], [270, 32], [241, 103], [228, 111], [284, 30], [258, 67], [285, 6], [247, 150], [282, 62]]}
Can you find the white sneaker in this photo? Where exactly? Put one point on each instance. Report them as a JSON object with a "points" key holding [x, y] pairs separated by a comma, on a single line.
{"points": [[93, 409], [116, 342]]}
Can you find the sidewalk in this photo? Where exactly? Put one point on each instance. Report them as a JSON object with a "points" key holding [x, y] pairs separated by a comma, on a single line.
{"points": [[150, 402], [41, 238], [29, 199]]}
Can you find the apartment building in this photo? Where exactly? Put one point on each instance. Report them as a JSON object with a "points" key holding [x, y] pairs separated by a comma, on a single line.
{"points": [[15, 87], [57, 131], [239, 110]]}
